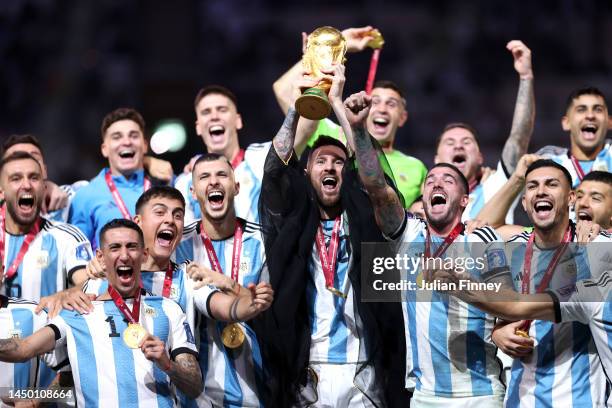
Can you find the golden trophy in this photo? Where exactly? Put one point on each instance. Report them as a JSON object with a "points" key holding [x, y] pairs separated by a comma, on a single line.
{"points": [[325, 46]]}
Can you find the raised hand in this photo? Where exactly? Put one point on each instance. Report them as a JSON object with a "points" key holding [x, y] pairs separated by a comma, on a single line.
{"points": [[357, 38], [357, 107], [522, 58], [262, 296]]}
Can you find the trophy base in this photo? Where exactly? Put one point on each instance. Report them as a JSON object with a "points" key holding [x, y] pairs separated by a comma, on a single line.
{"points": [[313, 104]]}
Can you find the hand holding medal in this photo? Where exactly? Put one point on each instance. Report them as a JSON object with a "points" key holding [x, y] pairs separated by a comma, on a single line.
{"points": [[135, 333]]}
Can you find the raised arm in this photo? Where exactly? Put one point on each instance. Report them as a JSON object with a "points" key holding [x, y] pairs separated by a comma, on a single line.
{"points": [[494, 211], [387, 206], [283, 141], [524, 109], [20, 350]]}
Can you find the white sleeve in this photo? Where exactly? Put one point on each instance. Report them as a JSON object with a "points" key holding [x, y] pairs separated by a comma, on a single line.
{"points": [[581, 305], [181, 339], [95, 286], [58, 358], [77, 253], [202, 298]]}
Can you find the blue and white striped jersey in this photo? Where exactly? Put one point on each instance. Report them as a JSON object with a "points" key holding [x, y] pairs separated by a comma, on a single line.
{"points": [[18, 320], [564, 367], [232, 377], [109, 374], [591, 304], [449, 351], [181, 290], [93, 205], [336, 330], [248, 173], [57, 251], [561, 155], [483, 192]]}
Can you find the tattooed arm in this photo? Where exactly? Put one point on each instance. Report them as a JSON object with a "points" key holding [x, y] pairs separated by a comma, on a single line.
{"points": [[20, 350], [230, 308], [524, 109], [283, 141], [185, 373], [388, 209]]}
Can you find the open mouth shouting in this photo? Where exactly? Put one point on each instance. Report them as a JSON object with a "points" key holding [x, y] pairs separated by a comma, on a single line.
{"points": [[125, 274], [26, 205], [380, 125], [165, 237], [216, 198], [329, 184], [127, 153], [438, 201], [543, 208], [584, 215], [589, 132], [216, 133], [460, 161]]}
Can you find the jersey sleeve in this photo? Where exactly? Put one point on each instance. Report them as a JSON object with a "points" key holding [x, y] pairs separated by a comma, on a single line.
{"points": [[181, 339], [77, 253], [80, 215], [579, 302], [95, 286], [202, 298]]}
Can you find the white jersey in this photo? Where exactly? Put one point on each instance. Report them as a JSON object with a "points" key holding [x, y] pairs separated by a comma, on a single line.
{"points": [[58, 250], [18, 320], [483, 192], [590, 303], [336, 330], [561, 155], [248, 173], [563, 367], [232, 378], [61, 214], [109, 374], [449, 351]]}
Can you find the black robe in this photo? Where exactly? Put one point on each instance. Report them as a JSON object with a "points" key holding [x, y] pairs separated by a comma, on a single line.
{"points": [[290, 217]]}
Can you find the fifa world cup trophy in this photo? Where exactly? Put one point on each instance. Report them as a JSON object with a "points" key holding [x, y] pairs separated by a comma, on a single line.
{"points": [[325, 46]]}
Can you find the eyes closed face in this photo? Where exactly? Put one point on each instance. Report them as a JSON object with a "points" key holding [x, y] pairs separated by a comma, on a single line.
{"points": [[218, 122], [124, 146], [23, 190], [594, 203], [214, 187], [587, 121], [122, 254], [162, 221], [458, 147], [387, 114], [443, 195], [325, 172]]}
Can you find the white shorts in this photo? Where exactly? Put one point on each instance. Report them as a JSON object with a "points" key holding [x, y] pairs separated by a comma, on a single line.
{"points": [[335, 387], [431, 401]]}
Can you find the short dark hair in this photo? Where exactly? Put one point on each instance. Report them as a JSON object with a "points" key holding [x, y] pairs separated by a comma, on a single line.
{"points": [[122, 114], [386, 84], [600, 176], [121, 223], [325, 140], [455, 125], [215, 89], [462, 179], [18, 156], [588, 90], [211, 157], [159, 192], [549, 163], [12, 140], [419, 198]]}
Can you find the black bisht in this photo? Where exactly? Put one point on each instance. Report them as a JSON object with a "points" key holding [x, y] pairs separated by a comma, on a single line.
{"points": [[290, 217]]}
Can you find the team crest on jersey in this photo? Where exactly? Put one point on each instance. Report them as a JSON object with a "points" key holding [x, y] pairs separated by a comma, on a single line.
{"points": [[42, 259], [82, 254], [150, 311], [15, 334], [245, 267], [496, 258], [245, 181], [174, 292]]}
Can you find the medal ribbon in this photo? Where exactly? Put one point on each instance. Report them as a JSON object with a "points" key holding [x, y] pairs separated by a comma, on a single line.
{"points": [[117, 197], [168, 281], [212, 256], [525, 286], [329, 256], [132, 316], [577, 167], [447, 241], [12, 270], [238, 159], [372, 71]]}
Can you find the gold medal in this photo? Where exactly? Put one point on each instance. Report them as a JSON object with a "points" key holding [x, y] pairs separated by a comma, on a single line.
{"points": [[521, 333], [232, 336], [336, 292], [133, 335]]}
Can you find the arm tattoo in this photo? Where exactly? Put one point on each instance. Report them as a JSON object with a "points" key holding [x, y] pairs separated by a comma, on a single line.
{"points": [[233, 313], [388, 210], [283, 141], [186, 374], [522, 125], [9, 350]]}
